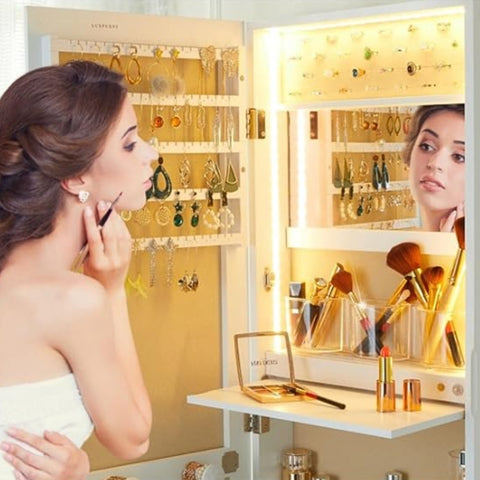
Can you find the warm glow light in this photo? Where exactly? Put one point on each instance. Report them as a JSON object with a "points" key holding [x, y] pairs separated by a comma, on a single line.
{"points": [[273, 41], [459, 9], [301, 170]]}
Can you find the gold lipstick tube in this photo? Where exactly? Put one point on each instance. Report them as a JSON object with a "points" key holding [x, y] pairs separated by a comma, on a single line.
{"points": [[385, 382]]}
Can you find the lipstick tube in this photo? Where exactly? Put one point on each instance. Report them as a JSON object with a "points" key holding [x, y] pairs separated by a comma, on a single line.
{"points": [[385, 382]]}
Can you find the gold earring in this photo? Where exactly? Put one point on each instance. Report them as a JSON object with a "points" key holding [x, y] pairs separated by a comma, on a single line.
{"points": [[134, 62]]}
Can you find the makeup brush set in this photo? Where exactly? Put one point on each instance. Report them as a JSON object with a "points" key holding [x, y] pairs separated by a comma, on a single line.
{"points": [[419, 321]]}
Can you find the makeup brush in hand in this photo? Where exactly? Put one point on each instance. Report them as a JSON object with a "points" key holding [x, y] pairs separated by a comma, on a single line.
{"points": [[404, 258], [343, 281]]}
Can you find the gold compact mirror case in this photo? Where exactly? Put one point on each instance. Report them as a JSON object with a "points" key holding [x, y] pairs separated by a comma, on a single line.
{"points": [[264, 390]]}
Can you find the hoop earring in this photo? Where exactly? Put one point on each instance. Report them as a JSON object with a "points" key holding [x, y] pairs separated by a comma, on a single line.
{"points": [[155, 190], [134, 61], [115, 60]]}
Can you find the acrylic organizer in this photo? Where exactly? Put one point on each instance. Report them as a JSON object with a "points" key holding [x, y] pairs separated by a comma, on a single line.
{"points": [[373, 324], [316, 327], [437, 338]]}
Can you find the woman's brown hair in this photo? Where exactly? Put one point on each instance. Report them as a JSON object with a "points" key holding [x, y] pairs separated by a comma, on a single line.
{"points": [[53, 124], [420, 117]]}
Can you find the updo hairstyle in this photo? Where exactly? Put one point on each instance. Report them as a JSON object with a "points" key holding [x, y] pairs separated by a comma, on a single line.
{"points": [[53, 124]]}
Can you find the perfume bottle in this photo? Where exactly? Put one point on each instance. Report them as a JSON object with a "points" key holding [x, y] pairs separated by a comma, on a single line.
{"points": [[297, 464]]}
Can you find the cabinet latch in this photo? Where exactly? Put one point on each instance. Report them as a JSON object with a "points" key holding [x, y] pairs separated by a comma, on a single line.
{"points": [[256, 423], [255, 124]]}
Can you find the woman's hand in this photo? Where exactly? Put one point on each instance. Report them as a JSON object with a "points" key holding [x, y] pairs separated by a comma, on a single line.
{"points": [[61, 459], [447, 224], [109, 249]]}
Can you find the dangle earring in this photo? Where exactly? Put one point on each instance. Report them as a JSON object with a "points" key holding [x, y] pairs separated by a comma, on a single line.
{"points": [[225, 215], [350, 212], [155, 190], [195, 206], [376, 174], [337, 176], [210, 218], [385, 175], [83, 196], [360, 203], [343, 214], [178, 218]]}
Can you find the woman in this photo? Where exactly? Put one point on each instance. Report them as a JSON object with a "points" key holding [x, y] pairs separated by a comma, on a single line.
{"points": [[69, 145], [435, 152]]}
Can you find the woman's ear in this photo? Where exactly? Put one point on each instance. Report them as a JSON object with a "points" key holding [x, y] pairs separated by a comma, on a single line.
{"points": [[73, 185]]}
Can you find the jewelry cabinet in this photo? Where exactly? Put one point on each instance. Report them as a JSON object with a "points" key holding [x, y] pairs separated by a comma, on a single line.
{"points": [[258, 244]]}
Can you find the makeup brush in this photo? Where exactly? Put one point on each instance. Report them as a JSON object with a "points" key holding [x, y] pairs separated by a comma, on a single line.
{"points": [[404, 258], [343, 281], [433, 278], [446, 305], [392, 305], [309, 313], [457, 272], [323, 322], [82, 254], [298, 390]]}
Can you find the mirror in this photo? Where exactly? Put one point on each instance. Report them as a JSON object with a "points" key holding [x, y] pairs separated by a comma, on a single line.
{"points": [[377, 168]]}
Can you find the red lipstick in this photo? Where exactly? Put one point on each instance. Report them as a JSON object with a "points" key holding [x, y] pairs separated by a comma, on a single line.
{"points": [[385, 382]]}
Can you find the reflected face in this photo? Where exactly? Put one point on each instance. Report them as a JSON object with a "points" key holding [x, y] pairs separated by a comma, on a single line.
{"points": [[437, 163], [124, 164]]}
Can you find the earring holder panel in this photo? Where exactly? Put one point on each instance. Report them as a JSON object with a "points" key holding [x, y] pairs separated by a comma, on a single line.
{"points": [[187, 66]]}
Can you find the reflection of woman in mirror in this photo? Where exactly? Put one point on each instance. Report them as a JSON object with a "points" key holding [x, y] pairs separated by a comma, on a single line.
{"points": [[435, 151]]}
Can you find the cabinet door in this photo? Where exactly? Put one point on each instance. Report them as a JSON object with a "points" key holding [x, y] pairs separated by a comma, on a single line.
{"points": [[185, 80]]}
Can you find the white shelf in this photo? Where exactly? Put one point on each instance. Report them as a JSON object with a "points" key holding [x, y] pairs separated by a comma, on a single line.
{"points": [[431, 243], [360, 415], [344, 370]]}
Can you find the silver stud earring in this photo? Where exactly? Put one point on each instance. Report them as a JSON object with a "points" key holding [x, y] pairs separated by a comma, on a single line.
{"points": [[83, 196]]}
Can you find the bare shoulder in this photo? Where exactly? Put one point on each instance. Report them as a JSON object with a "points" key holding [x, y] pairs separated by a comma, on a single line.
{"points": [[67, 299]]}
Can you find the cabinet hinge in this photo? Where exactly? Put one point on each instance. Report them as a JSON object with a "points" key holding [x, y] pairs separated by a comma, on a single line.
{"points": [[256, 423], [255, 124]]}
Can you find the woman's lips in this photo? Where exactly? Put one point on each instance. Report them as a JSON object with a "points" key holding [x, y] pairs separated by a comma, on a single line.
{"points": [[431, 184]]}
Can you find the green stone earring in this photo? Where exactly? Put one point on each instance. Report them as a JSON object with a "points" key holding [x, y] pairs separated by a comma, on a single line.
{"points": [[195, 206], [178, 218]]}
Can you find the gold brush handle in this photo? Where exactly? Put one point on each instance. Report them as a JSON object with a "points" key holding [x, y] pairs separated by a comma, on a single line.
{"points": [[324, 321]]}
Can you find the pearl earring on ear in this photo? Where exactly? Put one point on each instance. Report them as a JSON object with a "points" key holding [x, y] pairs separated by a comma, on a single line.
{"points": [[83, 196]]}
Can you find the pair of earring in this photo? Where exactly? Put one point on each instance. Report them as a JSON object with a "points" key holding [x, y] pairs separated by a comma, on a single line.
{"points": [[380, 178]]}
